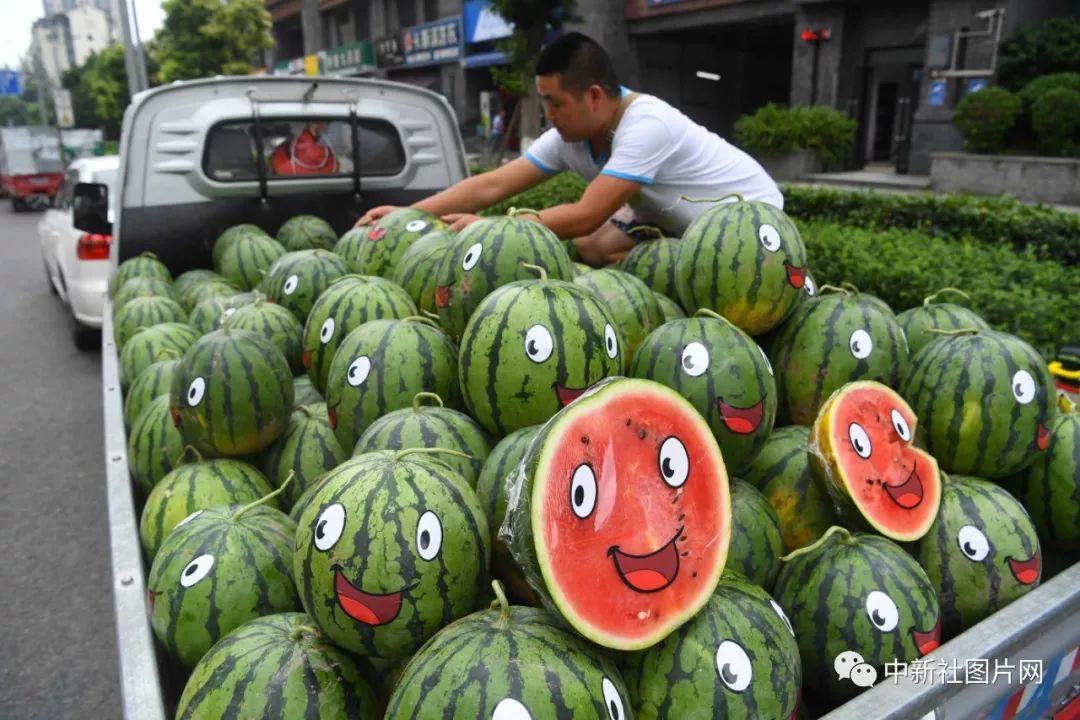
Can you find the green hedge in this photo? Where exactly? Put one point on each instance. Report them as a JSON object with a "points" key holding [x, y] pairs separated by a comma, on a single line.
{"points": [[563, 188], [774, 129]]}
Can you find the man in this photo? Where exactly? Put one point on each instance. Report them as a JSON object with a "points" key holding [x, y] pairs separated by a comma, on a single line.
{"points": [[634, 149]]}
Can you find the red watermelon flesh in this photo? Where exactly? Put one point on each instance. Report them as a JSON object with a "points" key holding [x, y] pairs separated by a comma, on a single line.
{"points": [[630, 512], [863, 437]]}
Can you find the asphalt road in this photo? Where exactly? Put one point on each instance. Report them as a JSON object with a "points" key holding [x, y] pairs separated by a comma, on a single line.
{"points": [[57, 639]]}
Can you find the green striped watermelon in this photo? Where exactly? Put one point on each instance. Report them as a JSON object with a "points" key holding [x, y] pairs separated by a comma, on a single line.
{"points": [[388, 239], [416, 268], [532, 347], [621, 517], [380, 366], [211, 311], [744, 260], [230, 235], [155, 446], [669, 308], [426, 427], [633, 306], [205, 287], [275, 667], [151, 382], [1050, 487], [247, 259], [274, 323], [147, 346], [510, 663], [781, 471], [146, 265], [197, 486], [654, 262], [347, 304], [986, 402], [233, 393], [185, 281], [920, 322], [142, 287], [307, 449], [756, 541], [306, 232], [144, 312], [737, 658], [981, 552], [858, 594], [297, 279], [580, 268], [831, 340], [218, 569], [722, 372], [488, 254], [389, 551], [304, 392]]}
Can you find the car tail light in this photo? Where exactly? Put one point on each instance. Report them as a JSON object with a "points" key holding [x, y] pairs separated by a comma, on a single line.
{"points": [[94, 246]]}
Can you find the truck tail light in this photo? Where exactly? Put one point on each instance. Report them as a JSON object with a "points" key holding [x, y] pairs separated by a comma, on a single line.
{"points": [[94, 246]]}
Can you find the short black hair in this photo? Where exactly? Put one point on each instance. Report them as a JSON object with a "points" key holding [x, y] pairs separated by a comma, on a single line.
{"points": [[581, 62]]}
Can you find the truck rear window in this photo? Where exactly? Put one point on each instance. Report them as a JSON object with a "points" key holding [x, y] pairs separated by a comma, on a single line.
{"points": [[301, 148]]}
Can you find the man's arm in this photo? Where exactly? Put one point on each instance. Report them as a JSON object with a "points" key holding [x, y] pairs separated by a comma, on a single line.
{"points": [[598, 203]]}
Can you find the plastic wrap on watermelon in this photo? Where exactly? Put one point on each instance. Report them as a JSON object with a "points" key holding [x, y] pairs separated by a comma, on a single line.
{"points": [[862, 449], [620, 514]]}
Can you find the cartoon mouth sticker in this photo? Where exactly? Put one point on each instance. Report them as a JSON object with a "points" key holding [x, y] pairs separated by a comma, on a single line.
{"points": [[305, 359], [927, 641], [1042, 437], [377, 233], [909, 493], [796, 275], [442, 296], [331, 414], [370, 609], [651, 572], [1027, 571], [568, 395], [741, 421]]}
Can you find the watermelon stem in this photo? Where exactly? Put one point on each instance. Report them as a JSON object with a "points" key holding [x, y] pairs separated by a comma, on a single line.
{"points": [[428, 313], [833, 288], [429, 395], [844, 533], [501, 603], [409, 451], [263, 499], [422, 319], [720, 199], [515, 211], [301, 630], [542, 272], [706, 312], [657, 231], [957, 331], [931, 298], [850, 286], [166, 353], [194, 451]]}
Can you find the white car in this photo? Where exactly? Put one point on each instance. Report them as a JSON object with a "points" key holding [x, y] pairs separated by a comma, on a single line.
{"points": [[77, 262]]}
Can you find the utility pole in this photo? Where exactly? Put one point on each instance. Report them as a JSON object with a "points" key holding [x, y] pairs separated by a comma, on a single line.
{"points": [[311, 23], [134, 63]]}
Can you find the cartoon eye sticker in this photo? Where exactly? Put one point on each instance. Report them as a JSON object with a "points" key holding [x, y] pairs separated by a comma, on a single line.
{"points": [[538, 343], [189, 518], [783, 616], [1023, 387], [973, 543], [472, 256], [195, 392], [611, 341], [861, 344], [860, 440], [416, 225], [510, 709], [358, 371], [291, 284], [733, 666], [229, 312], [695, 359], [429, 536], [900, 425], [612, 701], [882, 611], [674, 462], [769, 237], [329, 527], [326, 332], [583, 491], [768, 364], [196, 570], [810, 286]]}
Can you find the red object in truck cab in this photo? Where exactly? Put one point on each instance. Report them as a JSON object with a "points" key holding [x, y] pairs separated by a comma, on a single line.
{"points": [[23, 186]]}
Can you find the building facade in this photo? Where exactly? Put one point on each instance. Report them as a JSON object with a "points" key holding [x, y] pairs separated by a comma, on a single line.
{"points": [[70, 32]]}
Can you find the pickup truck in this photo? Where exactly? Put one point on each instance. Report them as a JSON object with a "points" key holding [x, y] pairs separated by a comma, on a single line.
{"points": [[31, 167]]}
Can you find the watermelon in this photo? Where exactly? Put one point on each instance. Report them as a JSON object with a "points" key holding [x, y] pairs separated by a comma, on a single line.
{"points": [[756, 540], [218, 569], [347, 304], [147, 346], [737, 658], [146, 265], [230, 235], [634, 307], [307, 450], [306, 232], [488, 254], [861, 448], [247, 259], [650, 513], [276, 667], [781, 471], [654, 262], [144, 312], [509, 663], [425, 427], [186, 281], [669, 308], [232, 394], [919, 323], [388, 239], [297, 279], [380, 367], [851, 595], [151, 382], [415, 269], [986, 401], [142, 287], [304, 392], [831, 340], [744, 260], [981, 552], [274, 323], [211, 311], [580, 268], [154, 445], [1050, 487], [531, 348], [203, 288], [389, 550], [197, 486], [722, 372]]}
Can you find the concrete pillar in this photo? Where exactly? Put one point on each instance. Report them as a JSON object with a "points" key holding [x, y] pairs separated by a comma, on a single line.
{"points": [[830, 54], [311, 22]]}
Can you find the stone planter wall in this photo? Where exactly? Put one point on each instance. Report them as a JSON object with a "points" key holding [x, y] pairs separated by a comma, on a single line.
{"points": [[1035, 179], [792, 166]]}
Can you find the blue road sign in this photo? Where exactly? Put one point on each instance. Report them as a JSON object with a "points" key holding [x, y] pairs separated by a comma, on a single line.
{"points": [[977, 84], [936, 94], [10, 82]]}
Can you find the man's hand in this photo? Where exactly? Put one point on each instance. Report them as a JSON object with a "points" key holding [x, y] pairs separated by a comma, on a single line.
{"points": [[375, 214], [460, 221]]}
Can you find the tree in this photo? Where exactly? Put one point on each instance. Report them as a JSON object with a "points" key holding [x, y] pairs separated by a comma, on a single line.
{"points": [[13, 110], [202, 38], [1050, 47]]}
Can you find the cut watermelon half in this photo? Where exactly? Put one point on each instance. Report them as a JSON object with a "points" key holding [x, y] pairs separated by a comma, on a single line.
{"points": [[622, 518], [862, 448]]}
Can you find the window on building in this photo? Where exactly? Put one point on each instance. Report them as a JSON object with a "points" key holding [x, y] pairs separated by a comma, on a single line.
{"points": [[407, 13], [431, 10]]}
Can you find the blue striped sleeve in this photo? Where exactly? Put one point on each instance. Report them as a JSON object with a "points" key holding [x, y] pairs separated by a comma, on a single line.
{"points": [[544, 168], [627, 176]]}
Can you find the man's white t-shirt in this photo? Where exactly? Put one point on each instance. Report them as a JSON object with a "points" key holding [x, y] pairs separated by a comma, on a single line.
{"points": [[671, 156]]}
